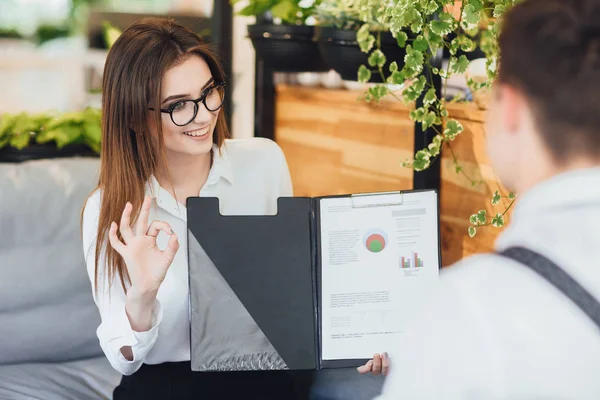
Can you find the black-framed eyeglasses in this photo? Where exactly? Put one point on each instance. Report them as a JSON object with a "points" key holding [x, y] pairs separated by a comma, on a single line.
{"points": [[183, 112]]}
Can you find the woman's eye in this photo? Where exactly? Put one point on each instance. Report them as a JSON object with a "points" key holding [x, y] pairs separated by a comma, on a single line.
{"points": [[178, 106]]}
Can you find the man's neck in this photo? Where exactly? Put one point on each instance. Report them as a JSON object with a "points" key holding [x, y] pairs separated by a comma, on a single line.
{"points": [[186, 175]]}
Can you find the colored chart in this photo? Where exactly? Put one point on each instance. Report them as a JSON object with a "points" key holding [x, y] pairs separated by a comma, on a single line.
{"points": [[375, 241], [411, 262]]}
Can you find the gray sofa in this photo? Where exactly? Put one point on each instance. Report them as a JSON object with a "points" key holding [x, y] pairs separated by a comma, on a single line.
{"points": [[48, 320]]}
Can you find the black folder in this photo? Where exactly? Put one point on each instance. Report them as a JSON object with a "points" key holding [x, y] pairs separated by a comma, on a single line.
{"points": [[263, 270]]}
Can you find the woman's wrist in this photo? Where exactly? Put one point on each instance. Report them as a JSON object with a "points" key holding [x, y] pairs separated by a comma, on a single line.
{"points": [[139, 307]]}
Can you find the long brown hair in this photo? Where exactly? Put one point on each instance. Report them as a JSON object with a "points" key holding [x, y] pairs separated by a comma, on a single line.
{"points": [[131, 153]]}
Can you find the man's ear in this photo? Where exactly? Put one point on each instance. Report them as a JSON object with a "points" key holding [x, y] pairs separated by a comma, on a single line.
{"points": [[512, 105]]}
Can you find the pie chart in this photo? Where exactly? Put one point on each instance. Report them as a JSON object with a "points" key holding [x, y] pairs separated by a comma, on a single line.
{"points": [[375, 240]]}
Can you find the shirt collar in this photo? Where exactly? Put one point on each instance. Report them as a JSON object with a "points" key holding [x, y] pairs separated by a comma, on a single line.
{"points": [[221, 167], [568, 190]]}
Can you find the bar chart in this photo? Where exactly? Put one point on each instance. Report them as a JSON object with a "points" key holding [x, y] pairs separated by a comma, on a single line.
{"points": [[413, 261]]}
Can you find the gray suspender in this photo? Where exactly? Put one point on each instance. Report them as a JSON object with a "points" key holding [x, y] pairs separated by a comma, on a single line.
{"points": [[558, 278]]}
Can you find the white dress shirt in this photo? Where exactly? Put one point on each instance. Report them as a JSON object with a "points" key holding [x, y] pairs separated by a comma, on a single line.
{"points": [[248, 177], [494, 329]]}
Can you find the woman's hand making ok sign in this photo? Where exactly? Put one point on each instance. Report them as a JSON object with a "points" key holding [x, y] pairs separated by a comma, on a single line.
{"points": [[147, 265]]}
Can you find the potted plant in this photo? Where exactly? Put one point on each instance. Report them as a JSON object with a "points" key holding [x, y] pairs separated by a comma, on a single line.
{"points": [[26, 136], [461, 27], [281, 35], [342, 32]]}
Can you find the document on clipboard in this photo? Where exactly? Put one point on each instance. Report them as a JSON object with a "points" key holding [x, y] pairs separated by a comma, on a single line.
{"points": [[378, 254], [325, 283]]}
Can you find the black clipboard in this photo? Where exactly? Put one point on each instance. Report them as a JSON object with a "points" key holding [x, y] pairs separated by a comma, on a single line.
{"points": [[273, 266]]}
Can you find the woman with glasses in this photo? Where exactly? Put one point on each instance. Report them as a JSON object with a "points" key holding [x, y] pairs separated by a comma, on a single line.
{"points": [[164, 139]]}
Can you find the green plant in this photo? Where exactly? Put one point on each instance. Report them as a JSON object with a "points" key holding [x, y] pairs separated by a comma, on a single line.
{"points": [[424, 27], [292, 12], [340, 14], [81, 127]]}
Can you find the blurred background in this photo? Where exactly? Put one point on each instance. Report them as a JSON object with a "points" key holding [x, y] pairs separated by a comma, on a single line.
{"points": [[52, 52]]}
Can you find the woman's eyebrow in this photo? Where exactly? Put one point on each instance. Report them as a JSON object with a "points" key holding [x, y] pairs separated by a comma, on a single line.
{"points": [[181, 96]]}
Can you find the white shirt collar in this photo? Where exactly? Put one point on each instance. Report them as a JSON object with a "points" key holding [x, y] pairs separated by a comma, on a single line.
{"points": [[568, 190], [221, 168]]}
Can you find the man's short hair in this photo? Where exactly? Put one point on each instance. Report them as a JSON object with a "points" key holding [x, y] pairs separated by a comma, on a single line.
{"points": [[550, 50]]}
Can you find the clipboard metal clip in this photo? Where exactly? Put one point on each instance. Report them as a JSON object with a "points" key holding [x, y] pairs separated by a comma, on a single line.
{"points": [[381, 199]]}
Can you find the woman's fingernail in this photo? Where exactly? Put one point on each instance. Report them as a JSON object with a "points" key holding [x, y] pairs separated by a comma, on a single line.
{"points": [[384, 355], [171, 231]]}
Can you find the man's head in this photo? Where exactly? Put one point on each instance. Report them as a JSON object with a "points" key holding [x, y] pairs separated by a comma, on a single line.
{"points": [[544, 115]]}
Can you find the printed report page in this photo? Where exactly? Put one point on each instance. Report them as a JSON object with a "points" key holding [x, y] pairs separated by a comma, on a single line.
{"points": [[379, 254]]}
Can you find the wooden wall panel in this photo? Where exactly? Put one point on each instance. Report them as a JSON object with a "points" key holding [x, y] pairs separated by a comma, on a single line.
{"points": [[459, 199], [337, 144]]}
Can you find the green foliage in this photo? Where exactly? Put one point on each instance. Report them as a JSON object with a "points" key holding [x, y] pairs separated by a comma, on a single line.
{"points": [[82, 127], [423, 27], [340, 14], [290, 12]]}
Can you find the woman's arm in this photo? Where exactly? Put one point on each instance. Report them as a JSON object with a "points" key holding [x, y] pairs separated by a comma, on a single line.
{"points": [[130, 322]]}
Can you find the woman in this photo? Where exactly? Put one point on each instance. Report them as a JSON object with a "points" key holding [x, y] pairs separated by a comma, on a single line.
{"points": [[164, 139]]}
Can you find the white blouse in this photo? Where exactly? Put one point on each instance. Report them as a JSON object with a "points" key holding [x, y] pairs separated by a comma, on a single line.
{"points": [[248, 177]]}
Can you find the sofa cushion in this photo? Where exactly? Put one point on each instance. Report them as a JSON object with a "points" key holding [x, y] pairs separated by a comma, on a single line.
{"points": [[47, 313]]}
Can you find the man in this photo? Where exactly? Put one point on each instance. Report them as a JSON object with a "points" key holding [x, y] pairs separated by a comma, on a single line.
{"points": [[495, 328]]}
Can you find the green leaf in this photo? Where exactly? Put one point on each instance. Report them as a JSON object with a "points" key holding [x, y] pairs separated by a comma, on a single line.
{"points": [[466, 44], [413, 92], [286, 10], [378, 92], [414, 59], [430, 97], [457, 168], [409, 73], [422, 160], [23, 123], [92, 133], [401, 38], [397, 78], [473, 219], [20, 140], [472, 231], [499, 10], [436, 145], [512, 195], [496, 198], [498, 221], [364, 74], [420, 43], [377, 59], [453, 129], [4, 141], [482, 217], [459, 65], [470, 17], [432, 7], [435, 41], [365, 39], [441, 28], [393, 66], [488, 43], [429, 120], [6, 124], [418, 114]]}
